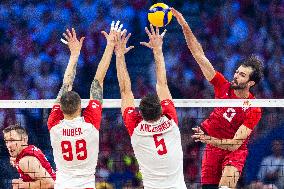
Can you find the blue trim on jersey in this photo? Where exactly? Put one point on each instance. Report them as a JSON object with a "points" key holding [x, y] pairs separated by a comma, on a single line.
{"points": [[166, 11]]}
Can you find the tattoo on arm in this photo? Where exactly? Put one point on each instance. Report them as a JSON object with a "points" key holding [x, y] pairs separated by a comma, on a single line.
{"points": [[63, 90], [96, 91]]}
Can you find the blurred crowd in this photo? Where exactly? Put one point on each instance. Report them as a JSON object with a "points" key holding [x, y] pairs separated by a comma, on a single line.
{"points": [[33, 60]]}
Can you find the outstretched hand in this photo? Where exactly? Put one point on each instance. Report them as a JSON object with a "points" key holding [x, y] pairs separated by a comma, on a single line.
{"points": [[115, 28], [73, 43], [199, 135], [178, 16], [120, 43], [155, 38]]}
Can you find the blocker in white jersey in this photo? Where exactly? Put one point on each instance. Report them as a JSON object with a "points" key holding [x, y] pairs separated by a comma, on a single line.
{"points": [[157, 147], [75, 139], [75, 146]]}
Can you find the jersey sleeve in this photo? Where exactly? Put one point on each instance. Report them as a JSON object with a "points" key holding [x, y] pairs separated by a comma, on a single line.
{"points": [[93, 113], [131, 118], [219, 82], [168, 108], [252, 118], [55, 116]]}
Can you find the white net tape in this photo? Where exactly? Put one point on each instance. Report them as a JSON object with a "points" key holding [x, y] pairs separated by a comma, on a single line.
{"points": [[116, 103]]}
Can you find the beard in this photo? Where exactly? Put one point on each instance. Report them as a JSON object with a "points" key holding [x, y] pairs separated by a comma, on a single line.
{"points": [[238, 86]]}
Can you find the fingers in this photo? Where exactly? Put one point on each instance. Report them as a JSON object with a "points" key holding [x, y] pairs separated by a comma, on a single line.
{"points": [[127, 38], [157, 30], [174, 11], [119, 29], [152, 29], [116, 25], [123, 31], [148, 33], [63, 41], [69, 33], [104, 33], [112, 26], [82, 40], [129, 48], [164, 32], [146, 44], [74, 33]]}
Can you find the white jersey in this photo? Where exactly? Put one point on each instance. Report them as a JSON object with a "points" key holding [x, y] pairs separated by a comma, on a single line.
{"points": [[75, 146], [157, 147]]}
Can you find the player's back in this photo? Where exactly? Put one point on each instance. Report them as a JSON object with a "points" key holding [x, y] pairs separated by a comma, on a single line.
{"points": [[159, 154], [157, 147], [75, 146]]}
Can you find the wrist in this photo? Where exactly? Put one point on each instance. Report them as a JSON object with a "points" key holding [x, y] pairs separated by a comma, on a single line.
{"points": [[157, 50], [119, 55], [75, 54], [111, 45]]}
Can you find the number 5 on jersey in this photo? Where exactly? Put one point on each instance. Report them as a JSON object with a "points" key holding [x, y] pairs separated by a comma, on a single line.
{"points": [[81, 150], [163, 149]]}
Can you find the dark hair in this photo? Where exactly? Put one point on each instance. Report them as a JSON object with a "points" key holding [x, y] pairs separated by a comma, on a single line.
{"points": [[257, 68], [150, 107], [20, 130], [70, 102]]}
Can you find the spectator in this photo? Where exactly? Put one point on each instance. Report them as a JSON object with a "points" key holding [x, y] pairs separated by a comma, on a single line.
{"points": [[272, 167]]}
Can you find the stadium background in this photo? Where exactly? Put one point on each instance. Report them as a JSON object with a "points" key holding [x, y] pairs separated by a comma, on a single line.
{"points": [[33, 60]]}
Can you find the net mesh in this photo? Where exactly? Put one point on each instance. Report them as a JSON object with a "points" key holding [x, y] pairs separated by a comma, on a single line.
{"points": [[117, 165]]}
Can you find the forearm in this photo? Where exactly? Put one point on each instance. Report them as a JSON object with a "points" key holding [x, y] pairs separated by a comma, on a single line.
{"points": [[104, 64], [122, 74], [70, 72], [69, 76], [96, 91], [225, 144], [160, 67], [192, 42], [197, 52], [39, 184]]}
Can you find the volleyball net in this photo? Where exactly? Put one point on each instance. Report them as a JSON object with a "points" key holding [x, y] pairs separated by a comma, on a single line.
{"points": [[117, 165]]}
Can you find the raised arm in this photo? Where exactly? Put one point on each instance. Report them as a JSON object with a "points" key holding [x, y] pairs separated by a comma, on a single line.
{"points": [[156, 44], [127, 98], [195, 47], [96, 91], [70, 72]]}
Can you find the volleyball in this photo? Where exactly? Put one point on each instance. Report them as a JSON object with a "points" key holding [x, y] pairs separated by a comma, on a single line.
{"points": [[160, 15]]}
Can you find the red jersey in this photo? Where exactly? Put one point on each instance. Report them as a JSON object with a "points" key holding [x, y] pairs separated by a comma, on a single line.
{"points": [[31, 150], [224, 122]]}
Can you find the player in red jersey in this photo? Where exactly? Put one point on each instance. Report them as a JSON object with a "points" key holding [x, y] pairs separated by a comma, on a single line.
{"points": [[75, 138], [32, 165], [227, 130]]}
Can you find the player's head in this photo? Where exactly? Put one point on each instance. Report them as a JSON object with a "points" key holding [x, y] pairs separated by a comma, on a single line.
{"points": [[248, 74], [150, 107], [277, 147], [71, 104], [16, 139]]}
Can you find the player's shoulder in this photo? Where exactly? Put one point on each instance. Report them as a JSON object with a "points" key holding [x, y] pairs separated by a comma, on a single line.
{"points": [[28, 160]]}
